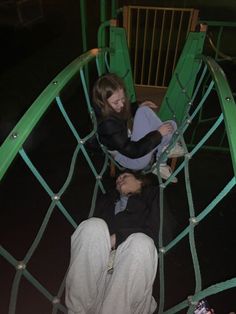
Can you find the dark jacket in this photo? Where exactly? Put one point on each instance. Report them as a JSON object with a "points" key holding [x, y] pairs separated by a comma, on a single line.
{"points": [[141, 214], [113, 134]]}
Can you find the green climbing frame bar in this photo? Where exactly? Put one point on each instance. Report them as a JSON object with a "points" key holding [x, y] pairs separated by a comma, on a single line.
{"points": [[181, 102], [227, 105], [14, 146], [217, 83], [24, 127]]}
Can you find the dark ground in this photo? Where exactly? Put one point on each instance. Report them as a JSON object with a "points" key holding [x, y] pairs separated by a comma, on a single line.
{"points": [[32, 56]]}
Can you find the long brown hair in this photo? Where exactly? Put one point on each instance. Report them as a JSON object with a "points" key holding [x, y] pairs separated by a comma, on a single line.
{"points": [[103, 89], [148, 179]]}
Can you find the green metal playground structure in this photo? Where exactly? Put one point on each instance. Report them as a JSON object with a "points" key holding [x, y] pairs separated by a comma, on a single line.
{"points": [[196, 78]]}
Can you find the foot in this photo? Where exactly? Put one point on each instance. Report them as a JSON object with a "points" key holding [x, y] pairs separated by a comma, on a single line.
{"points": [[176, 151], [165, 173]]}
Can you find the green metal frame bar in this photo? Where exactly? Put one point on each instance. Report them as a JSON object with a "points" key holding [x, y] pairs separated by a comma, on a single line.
{"points": [[228, 116], [84, 30], [114, 9], [10, 148], [103, 11], [84, 26], [21, 131], [101, 38], [181, 86], [221, 25], [217, 23], [227, 103], [120, 59], [119, 62]]}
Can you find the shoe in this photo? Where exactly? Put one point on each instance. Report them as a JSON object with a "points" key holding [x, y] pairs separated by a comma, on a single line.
{"points": [[176, 151], [165, 173], [113, 153]]}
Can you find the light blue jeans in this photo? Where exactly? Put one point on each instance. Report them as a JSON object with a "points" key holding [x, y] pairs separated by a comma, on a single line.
{"points": [[145, 121]]}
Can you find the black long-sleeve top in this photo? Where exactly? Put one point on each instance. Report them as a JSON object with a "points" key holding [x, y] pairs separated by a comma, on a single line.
{"points": [[113, 134], [140, 215]]}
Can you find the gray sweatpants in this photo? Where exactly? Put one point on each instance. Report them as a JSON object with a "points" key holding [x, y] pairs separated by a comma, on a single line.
{"points": [[91, 289]]}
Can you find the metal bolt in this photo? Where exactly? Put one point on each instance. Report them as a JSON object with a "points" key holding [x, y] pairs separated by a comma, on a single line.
{"points": [[193, 220], [55, 197], [98, 177], [21, 265], [188, 156], [55, 82], [14, 135], [228, 98], [162, 250], [55, 300], [81, 141]]}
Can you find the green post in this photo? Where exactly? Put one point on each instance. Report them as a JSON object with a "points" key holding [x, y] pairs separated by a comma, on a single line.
{"points": [[182, 83], [103, 16], [102, 33], [83, 18], [120, 59], [83, 14], [113, 9]]}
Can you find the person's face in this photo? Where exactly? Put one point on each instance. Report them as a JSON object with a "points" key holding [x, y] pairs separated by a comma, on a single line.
{"points": [[126, 183], [117, 100]]}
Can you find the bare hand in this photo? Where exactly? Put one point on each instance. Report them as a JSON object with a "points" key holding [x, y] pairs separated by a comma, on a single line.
{"points": [[149, 104], [113, 240], [166, 128]]}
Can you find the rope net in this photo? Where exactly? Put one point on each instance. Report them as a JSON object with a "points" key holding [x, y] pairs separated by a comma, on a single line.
{"points": [[46, 154]]}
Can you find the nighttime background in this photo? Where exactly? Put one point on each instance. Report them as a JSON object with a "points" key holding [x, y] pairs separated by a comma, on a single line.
{"points": [[31, 56]]}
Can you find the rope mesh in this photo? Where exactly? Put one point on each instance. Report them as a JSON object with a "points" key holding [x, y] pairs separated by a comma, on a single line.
{"points": [[52, 97]]}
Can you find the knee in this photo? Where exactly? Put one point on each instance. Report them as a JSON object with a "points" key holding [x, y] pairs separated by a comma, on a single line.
{"points": [[89, 227], [144, 110], [92, 223], [143, 251], [140, 243]]}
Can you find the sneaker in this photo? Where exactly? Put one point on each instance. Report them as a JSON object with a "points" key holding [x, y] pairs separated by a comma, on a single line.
{"points": [[113, 153], [165, 173], [176, 151]]}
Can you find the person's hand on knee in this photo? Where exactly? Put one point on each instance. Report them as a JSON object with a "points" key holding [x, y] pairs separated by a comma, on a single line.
{"points": [[149, 104], [166, 128]]}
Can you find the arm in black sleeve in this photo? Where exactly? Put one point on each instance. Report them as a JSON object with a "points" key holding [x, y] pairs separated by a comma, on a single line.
{"points": [[113, 134], [139, 148], [104, 208]]}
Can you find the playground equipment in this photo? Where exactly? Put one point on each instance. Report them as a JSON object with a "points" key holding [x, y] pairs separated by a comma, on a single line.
{"points": [[195, 80]]}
